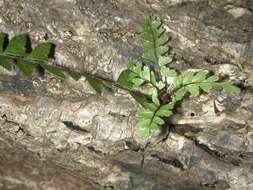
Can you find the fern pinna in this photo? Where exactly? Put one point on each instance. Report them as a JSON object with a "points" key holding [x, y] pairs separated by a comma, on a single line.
{"points": [[165, 86]]}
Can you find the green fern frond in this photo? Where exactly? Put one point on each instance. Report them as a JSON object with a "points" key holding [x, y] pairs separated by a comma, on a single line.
{"points": [[195, 82], [16, 53], [154, 40], [152, 118]]}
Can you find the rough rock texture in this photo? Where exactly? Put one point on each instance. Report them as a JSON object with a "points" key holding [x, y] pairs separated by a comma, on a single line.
{"points": [[61, 135]]}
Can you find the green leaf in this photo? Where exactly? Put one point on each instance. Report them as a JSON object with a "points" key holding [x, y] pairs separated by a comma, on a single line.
{"points": [[140, 98], [155, 100], [108, 84], [137, 82], [168, 106], [188, 77], [165, 60], [26, 67], [151, 106], [135, 67], [154, 94], [96, 84], [152, 77], [193, 89], [146, 114], [153, 126], [177, 82], [229, 87], [162, 50], [146, 34], [146, 132], [143, 123], [154, 39], [205, 86], [156, 24], [160, 33], [145, 74], [180, 93], [42, 51], [126, 77], [164, 113], [213, 78], [2, 36], [199, 77], [162, 40], [158, 120], [131, 66], [147, 17], [6, 63], [167, 72], [75, 76], [18, 45], [147, 45], [160, 85], [149, 55], [55, 71]]}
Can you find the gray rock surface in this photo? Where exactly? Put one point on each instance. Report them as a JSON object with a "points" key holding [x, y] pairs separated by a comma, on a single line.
{"points": [[60, 135]]}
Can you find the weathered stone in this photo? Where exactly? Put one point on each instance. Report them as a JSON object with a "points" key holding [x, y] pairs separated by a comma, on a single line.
{"points": [[61, 135], [21, 169]]}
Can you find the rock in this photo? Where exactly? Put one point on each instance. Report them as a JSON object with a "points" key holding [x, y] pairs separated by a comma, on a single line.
{"points": [[238, 11], [54, 131], [21, 169]]}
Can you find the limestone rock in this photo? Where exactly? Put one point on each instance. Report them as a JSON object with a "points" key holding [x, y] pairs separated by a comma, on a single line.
{"points": [[61, 135]]}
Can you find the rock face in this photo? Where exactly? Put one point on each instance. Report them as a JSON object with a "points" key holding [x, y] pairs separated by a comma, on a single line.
{"points": [[60, 135]]}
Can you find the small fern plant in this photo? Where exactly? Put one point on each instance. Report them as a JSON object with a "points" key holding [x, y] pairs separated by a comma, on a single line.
{"points": [[165, 87]]}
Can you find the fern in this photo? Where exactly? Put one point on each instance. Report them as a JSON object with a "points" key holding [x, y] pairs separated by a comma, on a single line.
{"points": [[166, 86], [153, 70]]}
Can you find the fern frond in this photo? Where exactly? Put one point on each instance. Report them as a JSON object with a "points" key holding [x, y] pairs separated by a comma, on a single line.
{"points": [[17, 53], [153, 117], [154, 40], [194, 82]]}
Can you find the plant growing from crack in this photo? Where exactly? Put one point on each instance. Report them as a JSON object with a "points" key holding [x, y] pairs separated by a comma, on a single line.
{"points": [[153, 71]]}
